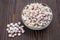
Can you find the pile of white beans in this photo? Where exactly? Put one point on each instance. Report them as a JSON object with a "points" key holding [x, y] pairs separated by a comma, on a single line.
{"points": [[36, 15], [14, 29]]}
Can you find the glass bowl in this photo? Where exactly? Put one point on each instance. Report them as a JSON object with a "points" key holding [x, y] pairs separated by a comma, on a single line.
{"points": [[37, 27]]}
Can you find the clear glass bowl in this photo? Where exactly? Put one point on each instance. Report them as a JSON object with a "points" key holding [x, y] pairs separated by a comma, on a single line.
{"points": [[37, 28]]}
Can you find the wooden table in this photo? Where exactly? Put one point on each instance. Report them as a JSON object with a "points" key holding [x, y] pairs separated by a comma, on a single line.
{"points": [[10, 11]]}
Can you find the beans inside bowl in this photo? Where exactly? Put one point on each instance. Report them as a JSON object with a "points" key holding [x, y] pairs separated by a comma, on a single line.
{"points": [[36, 16]]}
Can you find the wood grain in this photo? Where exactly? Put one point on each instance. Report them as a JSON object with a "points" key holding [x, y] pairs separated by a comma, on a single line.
{"points": [[10, 11]]}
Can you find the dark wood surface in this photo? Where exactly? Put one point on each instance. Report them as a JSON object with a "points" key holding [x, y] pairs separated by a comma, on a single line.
{"points": [[10, 11]]}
